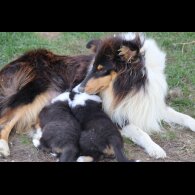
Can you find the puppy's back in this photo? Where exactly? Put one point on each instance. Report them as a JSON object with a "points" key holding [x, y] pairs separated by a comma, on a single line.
{"points": [[99, 135], [58, 111]]}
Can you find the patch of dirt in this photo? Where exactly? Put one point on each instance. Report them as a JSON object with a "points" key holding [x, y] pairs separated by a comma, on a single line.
{"points": [[181, 148], [22, 150], [175, 93], [178, 144], [49, 35]]}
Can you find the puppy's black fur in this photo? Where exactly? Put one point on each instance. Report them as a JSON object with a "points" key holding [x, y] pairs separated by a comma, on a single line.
{"points": [[99, 134], [61, 131]]}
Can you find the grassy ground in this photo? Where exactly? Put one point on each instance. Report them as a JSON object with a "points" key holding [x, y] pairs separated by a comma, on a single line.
{"points": [[180, 74]]}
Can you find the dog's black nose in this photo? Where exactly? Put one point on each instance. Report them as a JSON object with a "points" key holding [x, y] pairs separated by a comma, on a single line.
{"points": [[81, 89]]}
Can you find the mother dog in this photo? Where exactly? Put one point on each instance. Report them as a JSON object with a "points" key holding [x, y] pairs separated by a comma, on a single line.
{"points": [[126, 70]]}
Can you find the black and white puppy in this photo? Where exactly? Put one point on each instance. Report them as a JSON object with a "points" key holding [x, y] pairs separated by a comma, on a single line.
{"points": [[59, 131], [99, 137]]}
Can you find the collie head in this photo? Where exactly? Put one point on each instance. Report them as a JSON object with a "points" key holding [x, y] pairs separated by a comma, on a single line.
{"points": [[119, 59], [128, 72]]}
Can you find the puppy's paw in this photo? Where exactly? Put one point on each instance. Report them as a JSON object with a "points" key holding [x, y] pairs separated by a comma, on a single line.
{"points": [[36, 143], [85, 159], [36, 138], [156, 151], [4, 148]]}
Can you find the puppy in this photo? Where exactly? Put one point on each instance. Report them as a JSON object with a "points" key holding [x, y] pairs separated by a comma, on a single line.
{"points": [[99, 137], [59, 133]]}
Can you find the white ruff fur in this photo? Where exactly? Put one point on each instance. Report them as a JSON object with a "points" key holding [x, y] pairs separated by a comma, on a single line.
{"points": [[146, 108]]}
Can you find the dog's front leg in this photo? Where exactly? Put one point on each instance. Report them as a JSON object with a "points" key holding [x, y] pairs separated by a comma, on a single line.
{"points": [[142, 139], [4, 135]]}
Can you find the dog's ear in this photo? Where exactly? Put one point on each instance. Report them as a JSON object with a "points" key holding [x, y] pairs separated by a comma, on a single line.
{"points": [[130, 50], [127, 53], [139, 39], [93, 45]]}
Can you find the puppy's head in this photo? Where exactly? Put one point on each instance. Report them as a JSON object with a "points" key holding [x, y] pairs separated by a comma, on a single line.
{"points": [[116, 58], [82, 99]]}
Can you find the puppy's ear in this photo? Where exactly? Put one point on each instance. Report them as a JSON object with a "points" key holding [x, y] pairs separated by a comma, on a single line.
{"points": [[93, 45], [130, 49]]}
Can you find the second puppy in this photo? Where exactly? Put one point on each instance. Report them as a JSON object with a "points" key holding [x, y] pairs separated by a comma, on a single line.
{"points": [[59, 131], [99, 137]]}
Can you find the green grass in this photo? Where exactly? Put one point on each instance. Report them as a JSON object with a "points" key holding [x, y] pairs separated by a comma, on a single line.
{"points": [[180, 66], [15, 43], [25, 140], [128, 141], [166, 136]]}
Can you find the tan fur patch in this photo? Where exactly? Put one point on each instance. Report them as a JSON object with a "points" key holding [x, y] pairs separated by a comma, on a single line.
{"points": [[11, 85], [109, 151], [100, 67], [93, 48], [24, 117], [96, 85], [31, 111], [127, 53]]}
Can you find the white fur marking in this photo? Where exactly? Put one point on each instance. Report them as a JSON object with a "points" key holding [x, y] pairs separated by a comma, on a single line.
{"points": [[132, 35], [80, 99], [62, 97], [143, 139], [128, 36], [4, 148], [85, 159], [36, 143], [90, 67], [76, 89], [36, 138], [53, 154]]}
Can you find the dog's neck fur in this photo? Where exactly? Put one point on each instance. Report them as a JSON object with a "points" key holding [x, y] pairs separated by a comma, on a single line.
{"points": [[147, 107]]}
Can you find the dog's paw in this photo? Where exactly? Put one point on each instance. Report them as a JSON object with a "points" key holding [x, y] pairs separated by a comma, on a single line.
{"points": [[156, 151], [36, 138], [4, 148], [191, 123], [36, 143]]}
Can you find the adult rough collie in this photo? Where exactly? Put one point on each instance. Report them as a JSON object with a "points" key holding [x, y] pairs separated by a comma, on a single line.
{"points": [[128, 72], [29, 83]]}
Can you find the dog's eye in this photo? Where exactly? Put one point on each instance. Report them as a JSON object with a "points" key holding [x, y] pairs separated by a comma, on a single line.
{"points": [[100, 68]]}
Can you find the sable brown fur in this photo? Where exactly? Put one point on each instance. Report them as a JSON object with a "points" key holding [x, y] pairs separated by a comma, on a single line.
{"points": [[31, 81]]}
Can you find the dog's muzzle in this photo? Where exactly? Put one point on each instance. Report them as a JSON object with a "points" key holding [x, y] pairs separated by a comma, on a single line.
{"points": [[81, 88]]}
